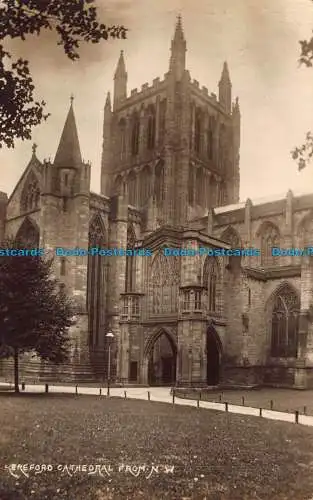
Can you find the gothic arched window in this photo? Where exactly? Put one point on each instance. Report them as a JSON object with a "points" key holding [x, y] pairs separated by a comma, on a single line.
{"points": [[96, 279], [117, 186], [191, 185], [213, 192], [210, 138], [221, 147], [122, 132], [200, 185], [269, 239], [151, 128], [132, 188], [159, 183], [135, 135], [162, 115], [28, 234], [30, 197], [130, 261], [145, 185], [285, 324], [198, 131], [212, 281], [164, 282], [222, 193]]}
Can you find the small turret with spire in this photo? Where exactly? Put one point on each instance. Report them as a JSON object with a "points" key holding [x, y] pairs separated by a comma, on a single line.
{"points": [[120, 82], [178, 51], [225, 89]]}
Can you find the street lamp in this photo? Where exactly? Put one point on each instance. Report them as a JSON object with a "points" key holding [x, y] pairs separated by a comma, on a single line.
{"points": [[110, 337]]}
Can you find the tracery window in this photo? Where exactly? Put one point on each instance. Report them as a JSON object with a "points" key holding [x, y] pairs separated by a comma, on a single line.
{"points": [[122, 132], [200, 185], [135, 135], [117, 187], [159, 183], [28, 235], [96, 279], [130, 261], [30, 198], [132, 188], [145, 185], [198, 131], [212, 281], [164, 282], [151, 128], [162, 115], [210, 138], [269, 239], [191, 185], [285, 324]]}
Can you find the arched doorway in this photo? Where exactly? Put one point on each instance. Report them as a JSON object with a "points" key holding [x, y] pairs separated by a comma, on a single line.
{"points": [[213, 356], [162, 361]]}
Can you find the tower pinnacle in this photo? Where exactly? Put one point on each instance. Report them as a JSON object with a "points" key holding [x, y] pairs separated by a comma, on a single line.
{"points": [[178, 50], [225, 89], [120, 81]]}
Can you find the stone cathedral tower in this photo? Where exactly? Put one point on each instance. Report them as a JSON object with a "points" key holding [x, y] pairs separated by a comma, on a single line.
{"points": [[171, 146]]}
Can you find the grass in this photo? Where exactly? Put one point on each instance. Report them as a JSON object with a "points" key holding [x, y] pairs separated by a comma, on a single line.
{"points": [[215, 455]]}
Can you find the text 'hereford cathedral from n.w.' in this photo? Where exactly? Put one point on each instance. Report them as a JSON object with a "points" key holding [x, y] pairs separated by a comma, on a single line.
{"points": [[170, 178]]}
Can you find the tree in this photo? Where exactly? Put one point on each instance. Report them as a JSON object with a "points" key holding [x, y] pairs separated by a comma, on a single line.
{"points": [[35, 314], [74, 21], [304, 153]]}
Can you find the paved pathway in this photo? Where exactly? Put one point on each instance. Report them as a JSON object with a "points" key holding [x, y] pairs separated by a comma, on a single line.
{"points": [[162, 394]]}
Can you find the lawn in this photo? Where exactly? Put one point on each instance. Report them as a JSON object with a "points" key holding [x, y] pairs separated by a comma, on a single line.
{"points": [[215, 455]]}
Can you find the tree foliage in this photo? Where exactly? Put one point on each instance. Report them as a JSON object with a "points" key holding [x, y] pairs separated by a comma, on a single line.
{"points": [[74, 21], [304, 153], [35, 314]]}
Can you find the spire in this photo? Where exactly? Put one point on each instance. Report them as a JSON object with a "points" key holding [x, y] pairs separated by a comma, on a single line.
{"points": [[68, 153], [178, 50], [179, 32], [120, 82], [120, 68], [225, 89], [225, 73]]}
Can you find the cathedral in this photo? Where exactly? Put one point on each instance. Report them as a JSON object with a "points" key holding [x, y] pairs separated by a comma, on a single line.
{"points": [[170, 178]]}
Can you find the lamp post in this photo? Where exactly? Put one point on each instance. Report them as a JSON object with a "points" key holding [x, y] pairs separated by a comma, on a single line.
{"points": [[110, 337]]}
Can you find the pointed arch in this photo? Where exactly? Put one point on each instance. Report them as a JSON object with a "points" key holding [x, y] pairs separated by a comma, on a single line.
{"points": [[191, 184], [212, 281], [132, 188], [122, 137], [151, 126], [97, 279], [200, 185], [28, 234], [231, 236], [269, 236], [117, 185], [145, 185], [130, 283], [161, 351], [135, 132], [164, 282], [30, 197], [198, 130], [285, 310], [159, 187], [305, 229]]}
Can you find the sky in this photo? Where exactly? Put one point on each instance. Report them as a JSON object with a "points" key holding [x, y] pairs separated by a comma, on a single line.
{"points": [[258, 38]]}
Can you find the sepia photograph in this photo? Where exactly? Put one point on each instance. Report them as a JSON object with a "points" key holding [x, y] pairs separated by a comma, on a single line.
{"points": [[156, 249]]}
